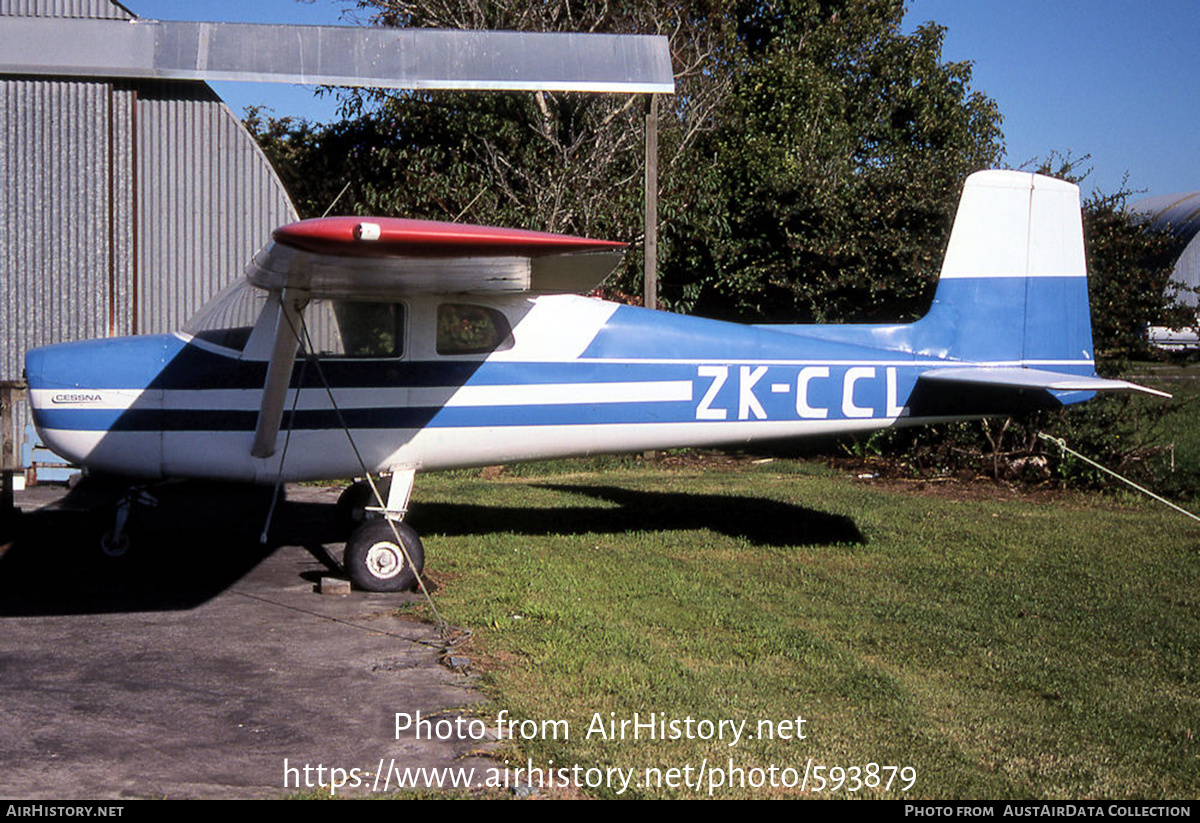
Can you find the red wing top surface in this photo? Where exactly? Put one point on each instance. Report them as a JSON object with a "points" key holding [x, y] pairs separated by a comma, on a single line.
{"points": [[396, 237]]}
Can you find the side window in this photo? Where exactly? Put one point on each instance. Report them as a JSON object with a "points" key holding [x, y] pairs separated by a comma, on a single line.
{"points": [[371, 329], [347, 329], [466, 329]]}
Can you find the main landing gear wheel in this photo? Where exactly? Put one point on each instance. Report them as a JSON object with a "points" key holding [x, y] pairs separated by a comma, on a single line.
{"points": [[375, 562], [351, 511]]}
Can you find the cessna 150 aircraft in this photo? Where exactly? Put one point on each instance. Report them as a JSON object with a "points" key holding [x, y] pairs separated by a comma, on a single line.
{"points": [[442, 345]]}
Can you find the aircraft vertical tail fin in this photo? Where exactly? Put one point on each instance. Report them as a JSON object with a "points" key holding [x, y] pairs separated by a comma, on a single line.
{"points": [[1013, 287], [1013, 299]]}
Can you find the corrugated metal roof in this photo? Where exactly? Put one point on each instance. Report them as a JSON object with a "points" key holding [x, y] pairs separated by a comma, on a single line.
{"points": [[91, 9], [208, 199], [1178, 213], [126, 207], [56, 240], [339, 55]]}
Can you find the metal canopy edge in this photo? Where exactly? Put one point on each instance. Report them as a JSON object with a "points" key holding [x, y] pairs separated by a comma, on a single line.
{"points": [[337, 55]]}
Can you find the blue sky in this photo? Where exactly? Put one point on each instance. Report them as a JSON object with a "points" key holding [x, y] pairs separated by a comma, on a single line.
{"points": [[1113, 79], [1116, 80]]}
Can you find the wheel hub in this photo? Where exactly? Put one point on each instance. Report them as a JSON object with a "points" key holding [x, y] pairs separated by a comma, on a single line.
{"points": [[385, 560]]}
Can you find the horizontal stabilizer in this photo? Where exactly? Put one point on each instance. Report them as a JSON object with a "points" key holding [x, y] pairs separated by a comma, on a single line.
{"points": [[978, 390], [1017, 378]]}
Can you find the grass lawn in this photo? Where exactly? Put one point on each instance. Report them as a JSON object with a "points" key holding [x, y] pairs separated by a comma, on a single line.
{"points": [[1177, 428], [997, 647]]}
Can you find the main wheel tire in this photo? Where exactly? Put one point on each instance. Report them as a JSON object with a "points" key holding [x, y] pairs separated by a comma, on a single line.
{"points": [[375, 562], [351, 511]]}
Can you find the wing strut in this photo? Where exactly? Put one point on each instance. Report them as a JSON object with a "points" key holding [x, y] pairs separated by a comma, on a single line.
{"points": [[279, 369]]}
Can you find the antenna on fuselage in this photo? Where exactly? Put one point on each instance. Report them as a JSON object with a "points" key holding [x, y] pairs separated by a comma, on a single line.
{"points": [[467, 208], [336, 199]]}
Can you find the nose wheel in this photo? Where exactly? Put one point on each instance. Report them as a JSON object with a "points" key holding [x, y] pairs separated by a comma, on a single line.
{"points": [[115, 542]]}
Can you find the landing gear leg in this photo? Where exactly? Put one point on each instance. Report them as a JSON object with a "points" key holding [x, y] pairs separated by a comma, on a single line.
{"points": [[386, 555], [115, 542]]}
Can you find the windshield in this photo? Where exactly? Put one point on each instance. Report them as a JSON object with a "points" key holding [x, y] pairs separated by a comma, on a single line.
{"points": [[334, 328], [228, 318]]}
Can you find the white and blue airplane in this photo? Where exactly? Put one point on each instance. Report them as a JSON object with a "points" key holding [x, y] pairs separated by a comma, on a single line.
{"points": [[427, 346]]}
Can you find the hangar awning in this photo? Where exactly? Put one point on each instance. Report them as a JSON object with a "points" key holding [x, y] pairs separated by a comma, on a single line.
{"points": [[336, 55]]}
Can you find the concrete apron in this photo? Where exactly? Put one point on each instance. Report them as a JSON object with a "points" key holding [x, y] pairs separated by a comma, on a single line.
{"points": [[205, 666]]}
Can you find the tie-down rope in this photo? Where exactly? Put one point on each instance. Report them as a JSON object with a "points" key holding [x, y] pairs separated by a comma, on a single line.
{"points": [[1062, 444], [301, 334]]}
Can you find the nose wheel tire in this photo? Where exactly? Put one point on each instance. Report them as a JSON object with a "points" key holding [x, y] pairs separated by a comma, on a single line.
{"points": [[375, 562], [114, 545]]}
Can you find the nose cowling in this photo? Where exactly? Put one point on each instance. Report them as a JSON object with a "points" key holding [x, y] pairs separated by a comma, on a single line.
{"points": [[96, 403]]}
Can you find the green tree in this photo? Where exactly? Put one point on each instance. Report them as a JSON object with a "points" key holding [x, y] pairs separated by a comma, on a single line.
{"points": [[551, 161], [841, 158], [1129, 271], [810, 159]]}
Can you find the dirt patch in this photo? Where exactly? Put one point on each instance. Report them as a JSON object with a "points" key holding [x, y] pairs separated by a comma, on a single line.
{"points": [[962, 485], [880, 472], [701, 459]]}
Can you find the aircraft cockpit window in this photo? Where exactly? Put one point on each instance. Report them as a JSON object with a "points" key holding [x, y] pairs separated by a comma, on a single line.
{"points": [[228, 318], [234, 338], [356, 329], [468, 329]]}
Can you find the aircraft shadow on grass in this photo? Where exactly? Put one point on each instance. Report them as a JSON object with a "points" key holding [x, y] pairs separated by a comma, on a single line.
{"points": [[185, 557], [757, 520]]}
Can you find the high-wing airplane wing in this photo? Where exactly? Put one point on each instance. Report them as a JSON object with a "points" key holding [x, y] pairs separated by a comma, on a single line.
{"points": [[365, 257], [393, 257]]}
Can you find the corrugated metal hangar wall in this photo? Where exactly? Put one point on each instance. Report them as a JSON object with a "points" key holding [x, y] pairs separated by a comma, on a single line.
{"points": [[126, 203]]}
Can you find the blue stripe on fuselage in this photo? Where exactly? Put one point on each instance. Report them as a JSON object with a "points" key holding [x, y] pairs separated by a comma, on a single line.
{"points": [[779, 392], [737, 373]]}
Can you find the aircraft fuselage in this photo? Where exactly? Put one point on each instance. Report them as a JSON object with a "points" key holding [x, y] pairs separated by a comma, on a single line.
{"points": [[576, 376], [430, 350]]}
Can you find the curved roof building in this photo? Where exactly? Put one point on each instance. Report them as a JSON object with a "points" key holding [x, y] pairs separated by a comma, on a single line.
{"points": [[1180, 215]]}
